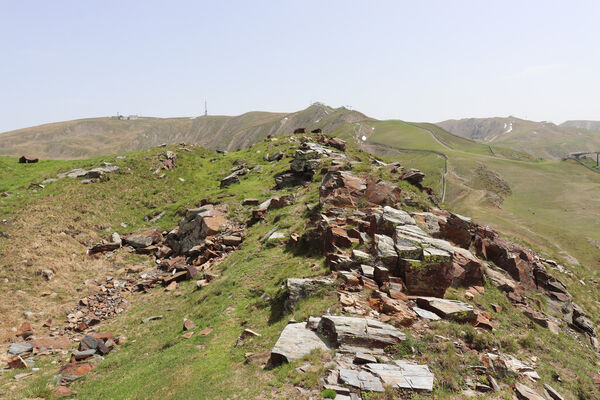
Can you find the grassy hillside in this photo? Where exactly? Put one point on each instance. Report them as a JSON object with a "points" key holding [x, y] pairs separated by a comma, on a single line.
{"points": [[539, 139], [582, 124], [535, 200], [53, 227], [98, 136]]}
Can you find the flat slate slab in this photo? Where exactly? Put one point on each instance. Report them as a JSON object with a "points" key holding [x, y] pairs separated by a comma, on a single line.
{"points": [[295, 341], [19, 348], [362, 380], [355, 332], [404, 375], [426, 314], [447, 309]]}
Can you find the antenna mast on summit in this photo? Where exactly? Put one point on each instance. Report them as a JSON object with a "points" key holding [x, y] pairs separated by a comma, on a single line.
{"points": [[205, 109]]}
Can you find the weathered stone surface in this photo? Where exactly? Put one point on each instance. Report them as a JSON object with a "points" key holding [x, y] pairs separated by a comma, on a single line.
{"points": [[196, 226], [382, 193], [47, 343], [384, 250], [88, 342], [526, 393], [551, 393], [404, 375], [360, 379], [421, 312], [297, 289], [17, 363], [467, 269], [341, 189], [457, 229], [83, 354], [448, 309], [16, 349], [295, 341], [413, 176], [351, 332], [24, 330], [426, 279], [188, 324], [144, 239]]}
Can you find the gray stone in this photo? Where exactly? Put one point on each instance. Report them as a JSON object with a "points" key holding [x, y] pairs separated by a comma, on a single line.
{"points": [[426, 314], [82, 355], [553, 394], [448, 309], [297, 288], [404, 375], [362, 380], [349, 333], [295, 341], [19, 348], [526, 393], [363, 358], [367, 271], [385, 250]]}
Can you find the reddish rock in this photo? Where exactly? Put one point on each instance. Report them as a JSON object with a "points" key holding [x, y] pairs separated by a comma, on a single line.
{"points": [[341, 189], [369, 283], [423, 279], [17, 363], [103, 336], [232, 240], [188, 325], [383, 193], [205, 332], [192, 271], [456, 229], [337, 237], [76, 368], [48, 343], [24, 330], [514, 259], [497, 308], [483, 322], [467, 270], [63, 391]]}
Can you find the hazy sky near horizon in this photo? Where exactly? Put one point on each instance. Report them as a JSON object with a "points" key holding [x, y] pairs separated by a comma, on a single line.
{"points": [[411, 60]]}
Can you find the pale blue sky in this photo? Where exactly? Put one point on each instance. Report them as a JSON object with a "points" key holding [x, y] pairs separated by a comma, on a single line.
{"points": [[412, 60]]}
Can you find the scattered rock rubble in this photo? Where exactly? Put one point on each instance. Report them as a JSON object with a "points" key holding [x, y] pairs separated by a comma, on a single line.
{"points": [[393, 270]]}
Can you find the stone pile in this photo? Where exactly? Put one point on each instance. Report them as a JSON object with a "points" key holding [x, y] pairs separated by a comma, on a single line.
{"points": [[89, 175], [306, 161], [234, 176], [167, 159]]}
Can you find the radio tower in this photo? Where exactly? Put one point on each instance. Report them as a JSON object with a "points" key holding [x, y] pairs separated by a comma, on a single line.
{"points": [[205, 109]]}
